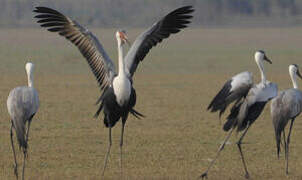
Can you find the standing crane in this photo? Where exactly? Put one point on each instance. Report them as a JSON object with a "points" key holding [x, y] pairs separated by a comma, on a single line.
{"points": [[249, 100], [22, 105], [118, 98], [286, 106]]}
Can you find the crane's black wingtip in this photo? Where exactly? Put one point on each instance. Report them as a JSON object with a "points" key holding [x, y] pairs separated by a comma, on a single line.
{"points": [[187, 9], [38, 9], [46, 10], [209, 107], [182, 11]]}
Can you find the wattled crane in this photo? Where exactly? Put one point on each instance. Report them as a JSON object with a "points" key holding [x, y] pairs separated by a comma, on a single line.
{"points": [[22, 105], [118, 97], [286, 106], [250, 100]]}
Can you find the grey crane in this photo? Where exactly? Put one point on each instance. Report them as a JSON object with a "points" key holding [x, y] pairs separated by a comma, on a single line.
{"points": [[250, 100], [22, 105], [286, 106], [118, 98]]}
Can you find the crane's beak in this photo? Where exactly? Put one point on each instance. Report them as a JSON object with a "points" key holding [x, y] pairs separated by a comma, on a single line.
{"points": [[299, 75], [267, 59], [125, 38], [128, 42]]}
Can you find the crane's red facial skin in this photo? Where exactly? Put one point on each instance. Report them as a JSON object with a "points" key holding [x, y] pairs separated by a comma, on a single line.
{"points": [[122, 35], [124, 38]]}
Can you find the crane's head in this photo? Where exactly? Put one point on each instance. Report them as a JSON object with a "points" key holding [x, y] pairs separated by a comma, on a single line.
{"points": [[294, 68], [29, 67], [122, 36], [260, 56]]}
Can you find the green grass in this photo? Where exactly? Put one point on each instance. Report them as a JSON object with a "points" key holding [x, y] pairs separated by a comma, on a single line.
{"points": [[174, 85]]}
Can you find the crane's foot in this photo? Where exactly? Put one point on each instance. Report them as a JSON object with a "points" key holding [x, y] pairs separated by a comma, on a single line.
{"points": [[25, 153], [247, 176], [16, 171], [204, 175]]}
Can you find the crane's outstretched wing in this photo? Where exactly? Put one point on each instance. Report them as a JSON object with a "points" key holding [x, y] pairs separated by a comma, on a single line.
{"points": [[98, 60], [234, 89], [170, 24]]}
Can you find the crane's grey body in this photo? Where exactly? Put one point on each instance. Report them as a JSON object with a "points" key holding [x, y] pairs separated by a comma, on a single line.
{"points": [[250, 101], [249, 109], [285, 107], [118, 98], [22, 105]]}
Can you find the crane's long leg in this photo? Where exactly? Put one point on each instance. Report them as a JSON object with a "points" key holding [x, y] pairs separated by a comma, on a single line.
{"points": [[108, 151], [205, 174], [285, 147], [25, 149], [240, 150], [287, 144], [121, 145], [13, 147]]}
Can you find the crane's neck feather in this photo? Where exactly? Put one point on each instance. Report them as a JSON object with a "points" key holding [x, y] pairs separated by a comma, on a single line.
{"points": [[293, 77], [121, 62], [30, 77], [261, 69]]}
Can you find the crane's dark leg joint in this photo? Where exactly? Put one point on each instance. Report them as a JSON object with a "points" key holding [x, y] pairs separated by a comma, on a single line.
{"points": [[204, 175]]}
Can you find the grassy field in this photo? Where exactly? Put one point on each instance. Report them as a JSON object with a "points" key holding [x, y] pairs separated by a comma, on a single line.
{"points": [[174, 85]]}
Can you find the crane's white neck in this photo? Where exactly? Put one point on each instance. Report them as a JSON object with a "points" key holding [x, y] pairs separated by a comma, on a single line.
{"points": [[121, 62], [293, 76], [30, 80], [29, 71], [261, 69]]}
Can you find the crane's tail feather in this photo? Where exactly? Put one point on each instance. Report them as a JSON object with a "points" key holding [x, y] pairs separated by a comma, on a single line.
{"points": [[279, 123], [229, 124], [100, 100], [222, 111], [136, 114], [99, 110], [278, 142], [219, 102], [278, 131], [232, 117], [20, 131]]}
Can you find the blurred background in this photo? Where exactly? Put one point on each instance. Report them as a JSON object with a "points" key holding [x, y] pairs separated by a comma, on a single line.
{"points": [[138, 13]]}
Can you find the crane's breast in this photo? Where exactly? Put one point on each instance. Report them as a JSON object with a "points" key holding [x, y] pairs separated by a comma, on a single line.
{"points": [[122, 90]]}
